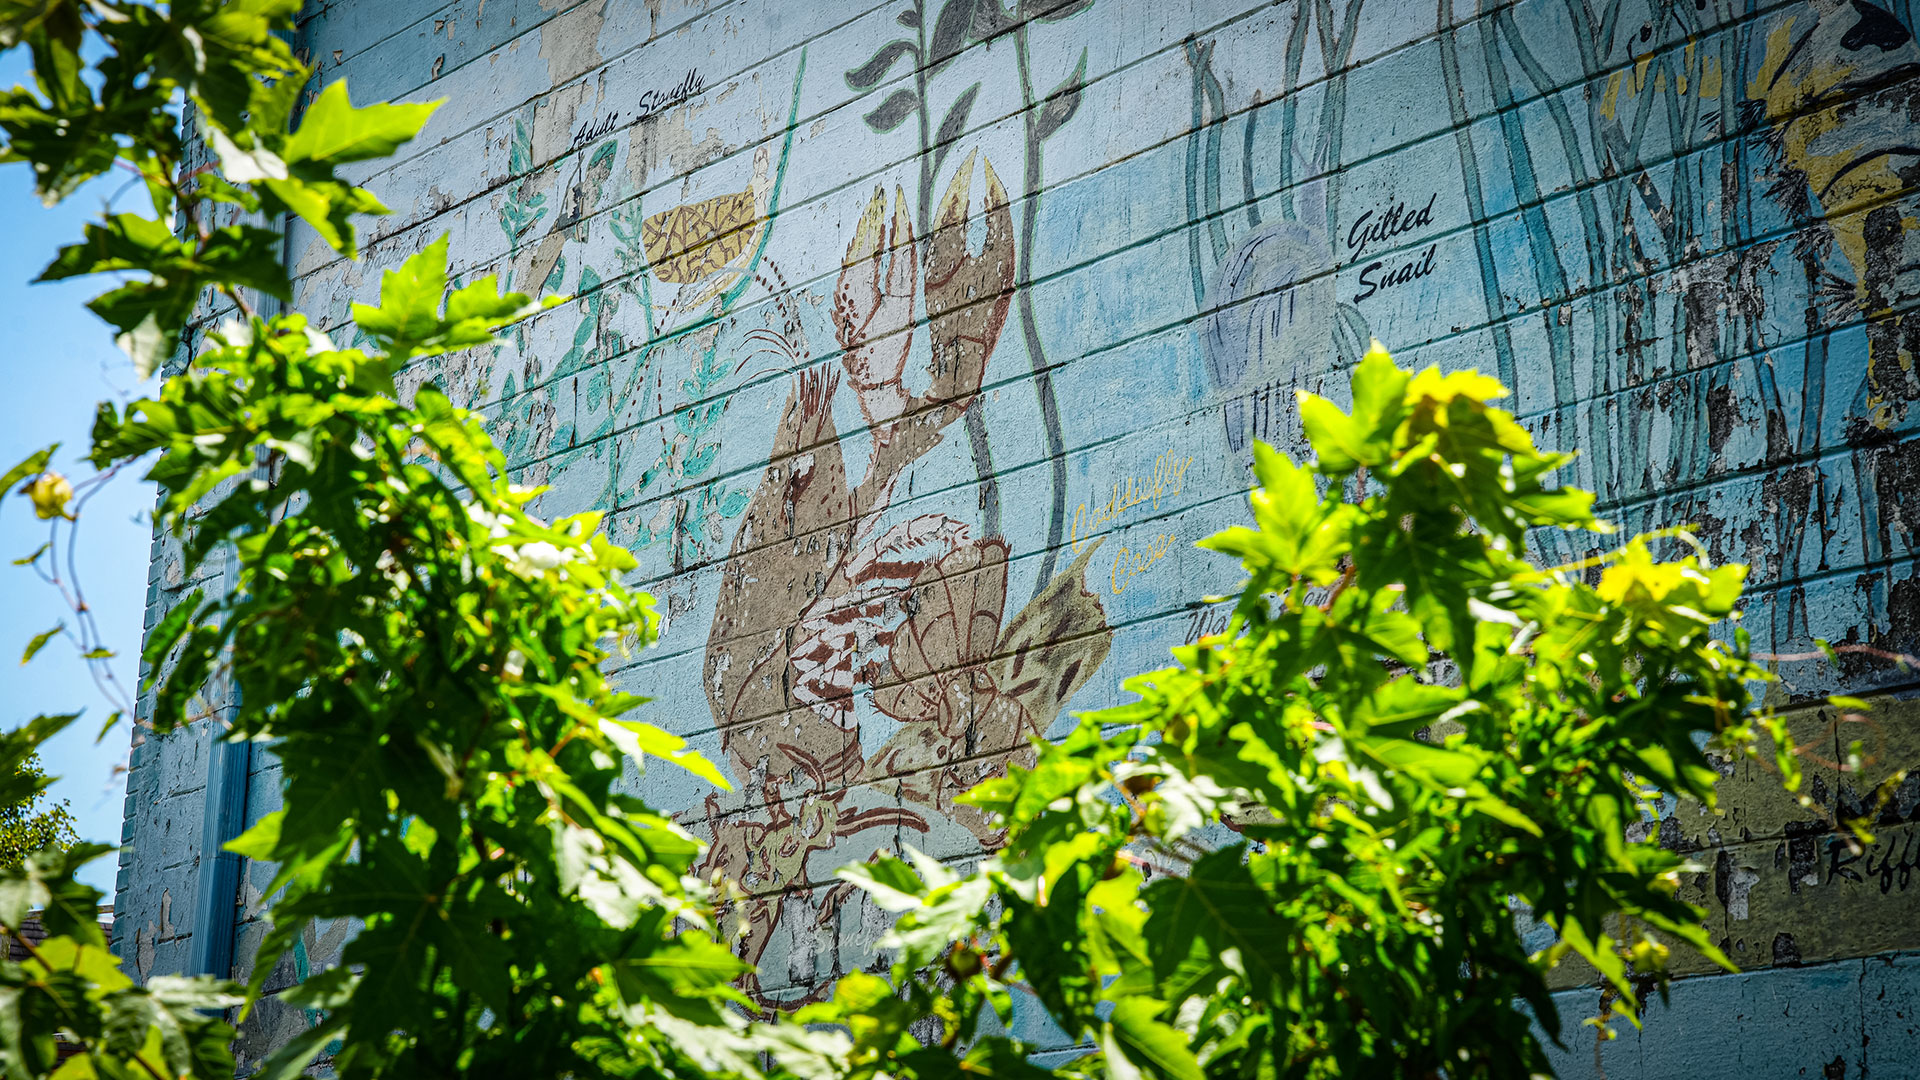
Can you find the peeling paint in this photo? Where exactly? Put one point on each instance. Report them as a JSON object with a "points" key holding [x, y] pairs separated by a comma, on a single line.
{"points": [[850, 338]]}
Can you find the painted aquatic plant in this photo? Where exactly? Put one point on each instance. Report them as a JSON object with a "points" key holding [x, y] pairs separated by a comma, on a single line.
{"points": [[1299, 852], [520, 207], [1408, 721], [712, 250], [910, 609], [933, 48]]}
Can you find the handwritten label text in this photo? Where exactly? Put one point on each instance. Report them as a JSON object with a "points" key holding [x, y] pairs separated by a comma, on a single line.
{"points": [[1370, 228], [651, 104], [594, 129], [1129, 563], [655, 101], [1169, 478], [1380, 228], [1378, 275]]}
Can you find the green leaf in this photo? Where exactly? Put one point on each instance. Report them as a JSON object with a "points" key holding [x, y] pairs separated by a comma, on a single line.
{"points": [[172, 626], [148, 315], [334, 132], [1161, 1049], [1435, 765], [1219, 907], [244, 166], [290, 1061], [1379, 396], [990, 1058], [32, 465], [409, 317], [687, 975], [890, 882], [1338, 443], [130, 1016], [688, 962], [393, 983], [260, 841], [949, 914], [409, 297], [398, 882], [120, 242], [330, 989], [1504, 812], [482, 302], [479, 960], [20, 18], [325, 206], [40, 642], [637, 739], [1403, 706]]}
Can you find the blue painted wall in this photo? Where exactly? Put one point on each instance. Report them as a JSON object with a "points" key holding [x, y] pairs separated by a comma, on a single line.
{"points": [[913, 344]]}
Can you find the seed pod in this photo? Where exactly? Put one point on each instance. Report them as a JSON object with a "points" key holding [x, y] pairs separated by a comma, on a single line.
{"points": [[963, 962], [50, 493]]}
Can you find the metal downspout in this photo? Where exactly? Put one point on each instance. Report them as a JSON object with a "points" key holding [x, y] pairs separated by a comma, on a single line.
{"points": [[229, 774], [211, 950]]}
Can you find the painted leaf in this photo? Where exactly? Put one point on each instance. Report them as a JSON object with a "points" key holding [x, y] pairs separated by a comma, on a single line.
{"points": [[893, 111], [868, 75], [699, 460], [1052, 647], [956, 119], [688, 243], [1062, 102], [949, 34], [990, 19], [954, 125], [1053, 10]]}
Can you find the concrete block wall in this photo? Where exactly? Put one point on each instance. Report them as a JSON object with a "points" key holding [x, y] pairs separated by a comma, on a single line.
{"points": [[913, 344]]}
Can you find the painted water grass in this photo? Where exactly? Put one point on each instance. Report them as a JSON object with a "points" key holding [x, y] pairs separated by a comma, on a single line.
{"points": [[1296, 855]]}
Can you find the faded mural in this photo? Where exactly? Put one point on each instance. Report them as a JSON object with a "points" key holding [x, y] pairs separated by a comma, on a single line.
{"points": [[913, 344]]}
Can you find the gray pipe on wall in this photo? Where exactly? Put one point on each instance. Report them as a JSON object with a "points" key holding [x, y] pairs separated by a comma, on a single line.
{"points": [[211, 950], [229, 772]]}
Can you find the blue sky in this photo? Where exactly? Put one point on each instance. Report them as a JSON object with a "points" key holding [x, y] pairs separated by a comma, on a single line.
{"points": [[58, 361]]}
